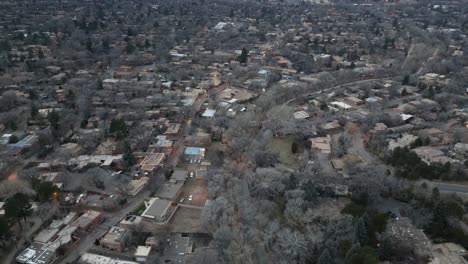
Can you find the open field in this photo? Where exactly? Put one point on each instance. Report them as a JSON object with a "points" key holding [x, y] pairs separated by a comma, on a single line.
{"points": [[282, 146]]}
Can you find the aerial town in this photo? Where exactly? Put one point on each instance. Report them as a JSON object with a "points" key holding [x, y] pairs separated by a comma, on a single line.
{"points": [[244, 132]]}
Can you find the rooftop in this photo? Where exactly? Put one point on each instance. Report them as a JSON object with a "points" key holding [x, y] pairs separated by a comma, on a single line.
{"points": [[151, 161], [209, 113], [194, 151], [87, 218], [142, 251], [90, 258], [35, 254], [177, 249], [169, 191], [115, 234], [156, 208]]}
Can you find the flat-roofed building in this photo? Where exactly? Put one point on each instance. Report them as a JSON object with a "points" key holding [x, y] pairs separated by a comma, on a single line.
{"points": [[142, 253], [340, 105], [173, 129], [152, 161], [194, 153], [135, 186], [36, 254], [157, 209], [116, 239], [46, 235], [89, 258], [88, 221], [177, 249], [169, 191]]}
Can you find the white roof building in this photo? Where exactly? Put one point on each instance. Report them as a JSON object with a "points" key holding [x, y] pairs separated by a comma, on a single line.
{"points": [[340, 105], [209, 113]]}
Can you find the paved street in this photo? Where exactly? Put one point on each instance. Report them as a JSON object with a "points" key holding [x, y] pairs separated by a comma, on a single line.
{"points": [[449, 187]]}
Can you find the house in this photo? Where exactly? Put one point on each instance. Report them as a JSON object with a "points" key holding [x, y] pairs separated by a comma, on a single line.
{"points": [[432, 155], [340, 106], [331, 127], [354, 100], [194, 153], [136, 185], [338, 164], [157, 209], [321, 144], [36, 254], [88, 221], [163, 144], [403, 141], [116, 239], [142, 253], [301, 115], [152, 161], [84, 161]]}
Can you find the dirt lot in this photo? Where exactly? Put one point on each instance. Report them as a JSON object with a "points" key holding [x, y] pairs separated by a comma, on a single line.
{"points": [[186, 220], [240, 94], [198, 189]]}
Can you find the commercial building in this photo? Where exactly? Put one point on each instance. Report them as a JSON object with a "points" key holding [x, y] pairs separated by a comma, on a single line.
{"points": [[169, 191], [116, 239], [88, 221], [177, 249], [89, 258], [36, 254], [157, 209]]}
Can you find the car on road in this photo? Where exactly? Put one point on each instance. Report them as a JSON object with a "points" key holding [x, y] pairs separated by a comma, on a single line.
{"points": [[190, 197], [191, 174]]}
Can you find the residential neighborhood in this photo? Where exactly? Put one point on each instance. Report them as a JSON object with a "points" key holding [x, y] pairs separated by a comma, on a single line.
{"points": [[316, 132]]}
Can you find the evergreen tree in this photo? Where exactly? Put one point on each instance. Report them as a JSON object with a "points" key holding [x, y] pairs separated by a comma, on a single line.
{"points": [[128, 158], [118, 128], [360, 231], [244, 55], [18, 207], [406, 80]]}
